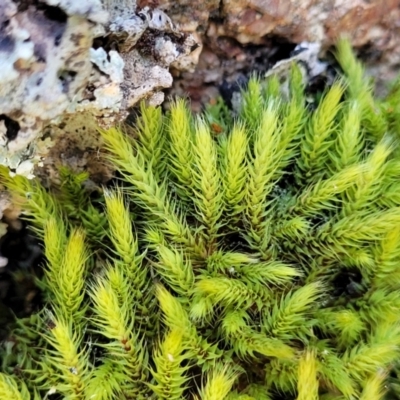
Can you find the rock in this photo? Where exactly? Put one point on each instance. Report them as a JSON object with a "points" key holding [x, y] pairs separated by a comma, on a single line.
{"points": [[239, 36], [46, 66], [62, 58]]}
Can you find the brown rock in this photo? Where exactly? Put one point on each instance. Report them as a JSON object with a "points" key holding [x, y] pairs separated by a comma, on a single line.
{"points": [[242, 35]]}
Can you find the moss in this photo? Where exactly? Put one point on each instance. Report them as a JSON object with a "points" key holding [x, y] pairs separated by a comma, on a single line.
{"points": [[242, 256]]}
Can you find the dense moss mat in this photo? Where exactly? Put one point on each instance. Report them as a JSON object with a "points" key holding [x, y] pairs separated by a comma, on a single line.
{"points": [[248, 254]]}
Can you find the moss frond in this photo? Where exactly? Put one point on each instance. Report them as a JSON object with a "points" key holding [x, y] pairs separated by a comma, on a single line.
{"points": [[318, 138], [207, 182], [67, 270], [307, 384], [129, 264], [387, 254], [257, 392], [169, 372], [149, 128], [115, 321], [360, 88], [76, 204], [175, 269], [346, 324], [176, 317], [120, 228], [349, 141], [55, 240], [252, 103], [248, 342], [174, 313], [374, 388], [232, 292], [288, 318], [66, 362], [10, 390], [72, 194], [273, 273], [282, 375], [234, 173], [361, 227], [105, 381], [219, 383], [262, 167], [325, 194], [367, 357], [335, 375], [369, 180]]}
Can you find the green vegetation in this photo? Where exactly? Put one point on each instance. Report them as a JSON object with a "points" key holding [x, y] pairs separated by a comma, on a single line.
{"points": [[242, 257]]}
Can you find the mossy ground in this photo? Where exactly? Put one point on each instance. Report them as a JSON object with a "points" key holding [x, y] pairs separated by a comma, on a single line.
{"points": [[242, 256]]}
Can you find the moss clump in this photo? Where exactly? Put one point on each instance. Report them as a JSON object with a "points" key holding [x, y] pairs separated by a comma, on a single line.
{"points": [[243, 257]]}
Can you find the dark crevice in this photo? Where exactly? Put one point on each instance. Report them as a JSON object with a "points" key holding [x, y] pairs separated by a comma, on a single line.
{"points": [[55, 14], [50, 12], [57, 39], [348, 283], [19, 295], [39, 51], [283, 49], [66, 77], [228, 89], [369, 53], [7, 44], [108, 43], [12, 127], [4, 24], [217, 14]]}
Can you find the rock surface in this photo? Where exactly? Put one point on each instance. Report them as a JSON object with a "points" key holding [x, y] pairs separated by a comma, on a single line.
{"points": [[242, 35], [63, 58]]}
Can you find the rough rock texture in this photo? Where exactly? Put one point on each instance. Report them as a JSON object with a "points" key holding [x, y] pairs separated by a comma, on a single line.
{"points": [[44, 54], [249, 21], [63, 58], [243, 35]]}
